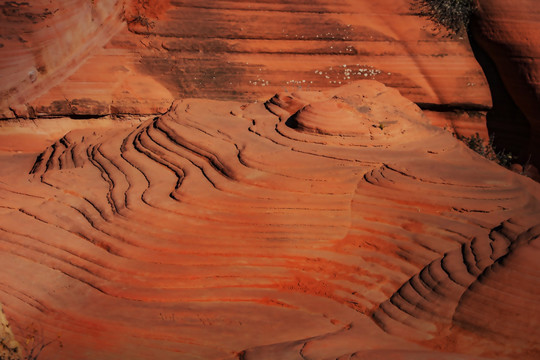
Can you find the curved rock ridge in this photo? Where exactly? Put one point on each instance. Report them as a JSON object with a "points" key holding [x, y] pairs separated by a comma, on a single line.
{"points": [[331, 117], [452, 290], [513, 271], [223, 230], [354, 115]]}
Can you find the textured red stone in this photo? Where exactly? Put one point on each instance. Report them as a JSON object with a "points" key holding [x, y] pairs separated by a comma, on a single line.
{"points": [[89, 58], [185, 191], [223, 230], [510, 34]]}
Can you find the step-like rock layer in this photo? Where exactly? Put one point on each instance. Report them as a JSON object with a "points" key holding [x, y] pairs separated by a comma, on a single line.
{"points": [[313, 225]]}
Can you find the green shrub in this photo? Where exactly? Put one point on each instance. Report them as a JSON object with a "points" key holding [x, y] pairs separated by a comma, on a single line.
{"points": [[476, 143], [452, 15]]}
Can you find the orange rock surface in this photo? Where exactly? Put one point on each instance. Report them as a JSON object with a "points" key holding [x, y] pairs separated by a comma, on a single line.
{"points": [[335, 224], [94, 58]]}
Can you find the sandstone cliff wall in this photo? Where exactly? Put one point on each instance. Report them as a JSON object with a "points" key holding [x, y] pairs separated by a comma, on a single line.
{"points": [[86, 58], [509, 34]]}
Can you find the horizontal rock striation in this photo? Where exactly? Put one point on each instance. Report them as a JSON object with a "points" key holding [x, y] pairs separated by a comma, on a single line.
{"points": [[137, 56], [43, 42], [334, 224]]}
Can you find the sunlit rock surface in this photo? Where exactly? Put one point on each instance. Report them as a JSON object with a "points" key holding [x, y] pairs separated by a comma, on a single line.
{"points": [[320, 225], [86, 58]]}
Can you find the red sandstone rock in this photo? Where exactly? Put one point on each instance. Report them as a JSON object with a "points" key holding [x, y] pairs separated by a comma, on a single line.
{"points": [[81, 59], [510, 33], [44, 42], [9, 347], [261, 231]]}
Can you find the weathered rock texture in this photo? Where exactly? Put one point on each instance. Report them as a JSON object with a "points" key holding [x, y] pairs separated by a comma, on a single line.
{"points": [[44, 42], [509, 33], [313, 225], [92, 58]]}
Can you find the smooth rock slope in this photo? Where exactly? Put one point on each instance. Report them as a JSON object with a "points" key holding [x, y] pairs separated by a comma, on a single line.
{"points": [[320, 225]]}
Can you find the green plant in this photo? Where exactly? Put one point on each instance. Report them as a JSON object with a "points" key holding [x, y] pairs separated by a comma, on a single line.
{"points": [[452, 15], [488, 150]]}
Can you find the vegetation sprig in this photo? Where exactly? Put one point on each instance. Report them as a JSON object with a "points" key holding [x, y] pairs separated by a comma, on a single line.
{"points": [[452, 15], [488, 150]]}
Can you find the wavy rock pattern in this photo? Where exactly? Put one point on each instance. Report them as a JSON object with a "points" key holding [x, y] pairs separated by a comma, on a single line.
{"points": [[313, 225], [440, 295]]}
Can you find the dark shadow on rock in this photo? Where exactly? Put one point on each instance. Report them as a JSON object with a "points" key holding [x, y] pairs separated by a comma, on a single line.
{"points": [[506, 123], [200, 50]]}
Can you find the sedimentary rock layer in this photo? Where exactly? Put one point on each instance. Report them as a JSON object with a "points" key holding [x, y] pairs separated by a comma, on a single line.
{"points": [[65, 64], [43, 42], [313, 225]]}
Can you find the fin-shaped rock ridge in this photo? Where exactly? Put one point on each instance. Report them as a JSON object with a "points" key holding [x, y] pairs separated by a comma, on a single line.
{"points": [[334, 224]]}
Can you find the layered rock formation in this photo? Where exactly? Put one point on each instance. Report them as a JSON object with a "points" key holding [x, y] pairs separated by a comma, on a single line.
{"points": [[86, 58], [313, 225], [44, 42]]}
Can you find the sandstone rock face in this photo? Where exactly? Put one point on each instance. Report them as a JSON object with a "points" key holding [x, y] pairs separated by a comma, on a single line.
{"points": [[44, 42], [510, 34], [223, 230], [93, 58]]}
